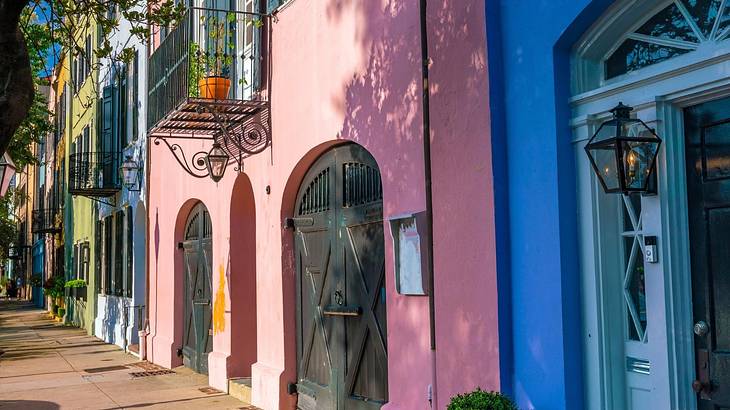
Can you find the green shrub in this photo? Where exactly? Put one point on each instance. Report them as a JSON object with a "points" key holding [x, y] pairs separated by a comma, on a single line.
{"points": [[481, 400], [76, 283], [61, 312], [54, 286]]}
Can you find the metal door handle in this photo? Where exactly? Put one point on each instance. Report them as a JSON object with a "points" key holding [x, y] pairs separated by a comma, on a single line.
{"points": [[701, 328], [342, 311]]}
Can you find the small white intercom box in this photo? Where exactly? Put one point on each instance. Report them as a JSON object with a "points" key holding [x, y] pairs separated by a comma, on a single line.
{"points": [[651, 254]]}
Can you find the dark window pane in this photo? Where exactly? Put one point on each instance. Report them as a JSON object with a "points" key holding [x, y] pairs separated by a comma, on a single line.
{"points": [[635, 288], [670, 24], [716, 150], [704, 13], [634, 54]]}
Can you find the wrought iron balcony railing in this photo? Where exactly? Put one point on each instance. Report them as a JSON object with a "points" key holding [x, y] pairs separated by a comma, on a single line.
{"points": [[46, 221], [209, 70], [94, 174]]}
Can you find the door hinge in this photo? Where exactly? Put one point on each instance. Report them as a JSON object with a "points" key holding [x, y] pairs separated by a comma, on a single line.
{"points": [[291, 388]]}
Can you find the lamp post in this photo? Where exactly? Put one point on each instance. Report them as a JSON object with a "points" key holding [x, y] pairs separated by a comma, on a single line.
{"points": [[129, 171], [216, 161], [7, 170], [623, 152]]}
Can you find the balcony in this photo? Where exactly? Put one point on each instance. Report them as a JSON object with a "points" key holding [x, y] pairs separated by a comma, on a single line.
{"points": [[94, 174], [46, 221], [207, 80]]}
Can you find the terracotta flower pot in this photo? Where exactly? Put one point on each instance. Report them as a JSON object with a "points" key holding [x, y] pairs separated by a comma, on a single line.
{"points": [[214, 87]]}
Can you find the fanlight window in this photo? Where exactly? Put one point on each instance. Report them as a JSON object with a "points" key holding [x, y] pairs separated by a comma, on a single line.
{"points": [[681, 27]]}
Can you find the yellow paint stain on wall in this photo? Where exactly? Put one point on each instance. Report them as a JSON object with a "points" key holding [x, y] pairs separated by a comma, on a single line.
{"points": [[219, 304]]}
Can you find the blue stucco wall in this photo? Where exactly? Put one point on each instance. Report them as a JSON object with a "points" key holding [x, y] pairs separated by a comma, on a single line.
{"points": [[536, 195]]}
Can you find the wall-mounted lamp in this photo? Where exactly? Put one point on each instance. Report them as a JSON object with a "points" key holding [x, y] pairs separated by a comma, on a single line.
{"points": [[623, 152], [216, 161], [130, 173]]}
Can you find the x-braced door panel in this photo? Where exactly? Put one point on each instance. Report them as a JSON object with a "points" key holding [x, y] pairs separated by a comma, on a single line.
{"points": [[339, 247], [197, 332]]}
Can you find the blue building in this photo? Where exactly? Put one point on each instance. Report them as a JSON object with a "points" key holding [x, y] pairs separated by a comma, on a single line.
{"points": [[589, 321]]}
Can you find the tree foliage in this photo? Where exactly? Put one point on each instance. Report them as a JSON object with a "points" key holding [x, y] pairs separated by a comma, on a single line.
{"points": [[34, 32]]}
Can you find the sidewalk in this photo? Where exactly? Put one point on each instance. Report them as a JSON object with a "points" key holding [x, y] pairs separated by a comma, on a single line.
{"points": [[50, 366]]}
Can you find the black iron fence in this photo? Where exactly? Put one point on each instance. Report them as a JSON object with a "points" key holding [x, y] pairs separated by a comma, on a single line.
{"points": [[46, 221], [94, 174], [215, 55]]}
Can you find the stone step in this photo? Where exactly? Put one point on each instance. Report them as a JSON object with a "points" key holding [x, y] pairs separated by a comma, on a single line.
{"points": [[240, 388]]}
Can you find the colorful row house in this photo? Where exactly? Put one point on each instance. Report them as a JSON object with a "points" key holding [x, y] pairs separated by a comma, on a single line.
{"points": [[289, 214], [342, 205]]}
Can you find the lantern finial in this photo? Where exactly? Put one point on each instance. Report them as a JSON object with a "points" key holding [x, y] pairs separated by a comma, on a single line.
{"points": [[622, 111]]}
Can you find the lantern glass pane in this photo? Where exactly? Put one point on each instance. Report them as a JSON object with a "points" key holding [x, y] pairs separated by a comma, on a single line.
{"points": [[606, 132], [638, 160], [605, 162], [217, 166], [635, 129]]}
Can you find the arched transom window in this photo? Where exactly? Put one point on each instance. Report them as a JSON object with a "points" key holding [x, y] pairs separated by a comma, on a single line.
{"points": [[680, 27]]}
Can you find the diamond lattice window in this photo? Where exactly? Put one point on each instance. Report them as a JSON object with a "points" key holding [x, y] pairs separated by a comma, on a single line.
{"points": [[681, 27], [634, 289]]}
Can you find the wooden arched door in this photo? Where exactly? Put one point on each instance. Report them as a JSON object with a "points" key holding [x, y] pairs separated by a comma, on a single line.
{"points": [[341, 319], [198, 265]]}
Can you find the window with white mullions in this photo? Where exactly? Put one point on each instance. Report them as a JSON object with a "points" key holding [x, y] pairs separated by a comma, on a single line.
{"points": [[680, 27], [634, 289]]}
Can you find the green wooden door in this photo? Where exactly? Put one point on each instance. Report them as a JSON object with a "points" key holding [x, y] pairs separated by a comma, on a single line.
{"points": [[340, 257], [197, 331]]}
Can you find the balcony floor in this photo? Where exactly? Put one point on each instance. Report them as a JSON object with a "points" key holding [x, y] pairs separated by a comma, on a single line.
{"points": [[193, 118]]}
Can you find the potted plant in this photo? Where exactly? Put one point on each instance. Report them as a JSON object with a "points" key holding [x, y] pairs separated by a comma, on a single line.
{"points": [[54, 288], [215, 83], [481, 400], [77, 288], [61, 313]]}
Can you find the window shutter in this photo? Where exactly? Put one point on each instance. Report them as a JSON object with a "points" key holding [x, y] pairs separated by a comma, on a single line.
{"points": [[130, 252], [108, 118], [108, 255], [97, 256], [123, 107], [75, 261], [118, 249], [135, 97]]}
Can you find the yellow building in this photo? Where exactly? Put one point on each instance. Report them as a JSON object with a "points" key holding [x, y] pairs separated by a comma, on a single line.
{"points": [[81, 176]]}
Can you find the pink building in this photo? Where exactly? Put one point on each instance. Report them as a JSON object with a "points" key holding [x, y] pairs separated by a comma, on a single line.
{"points": [[284, 271]]}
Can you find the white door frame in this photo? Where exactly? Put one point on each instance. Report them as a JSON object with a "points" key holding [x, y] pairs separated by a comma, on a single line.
{"points": [[659, 99]]}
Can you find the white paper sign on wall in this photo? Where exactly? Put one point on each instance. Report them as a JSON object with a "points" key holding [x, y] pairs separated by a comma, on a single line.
{"points": [[411, 269]]}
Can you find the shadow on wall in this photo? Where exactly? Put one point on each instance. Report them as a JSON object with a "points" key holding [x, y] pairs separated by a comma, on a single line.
{"points": [[112, 316], [384, 104], [28, 404], [383, 112]]}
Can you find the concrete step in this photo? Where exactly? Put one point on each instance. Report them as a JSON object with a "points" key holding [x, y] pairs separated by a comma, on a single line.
{"points": [[240, 388]]}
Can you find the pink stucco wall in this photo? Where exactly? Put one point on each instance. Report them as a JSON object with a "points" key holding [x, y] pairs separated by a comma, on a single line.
{"points": [[348, 71]]}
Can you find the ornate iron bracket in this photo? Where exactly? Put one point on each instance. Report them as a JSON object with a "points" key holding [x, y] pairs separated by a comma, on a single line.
{"points": [[240, 138], [195, 167]]}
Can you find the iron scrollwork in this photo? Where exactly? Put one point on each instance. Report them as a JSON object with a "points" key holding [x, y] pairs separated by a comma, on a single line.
{"points": [[196, 167]]}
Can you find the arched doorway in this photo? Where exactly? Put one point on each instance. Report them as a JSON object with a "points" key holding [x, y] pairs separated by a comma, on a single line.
{"points": [[198, 265], [340, 258], [668, 60]]}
